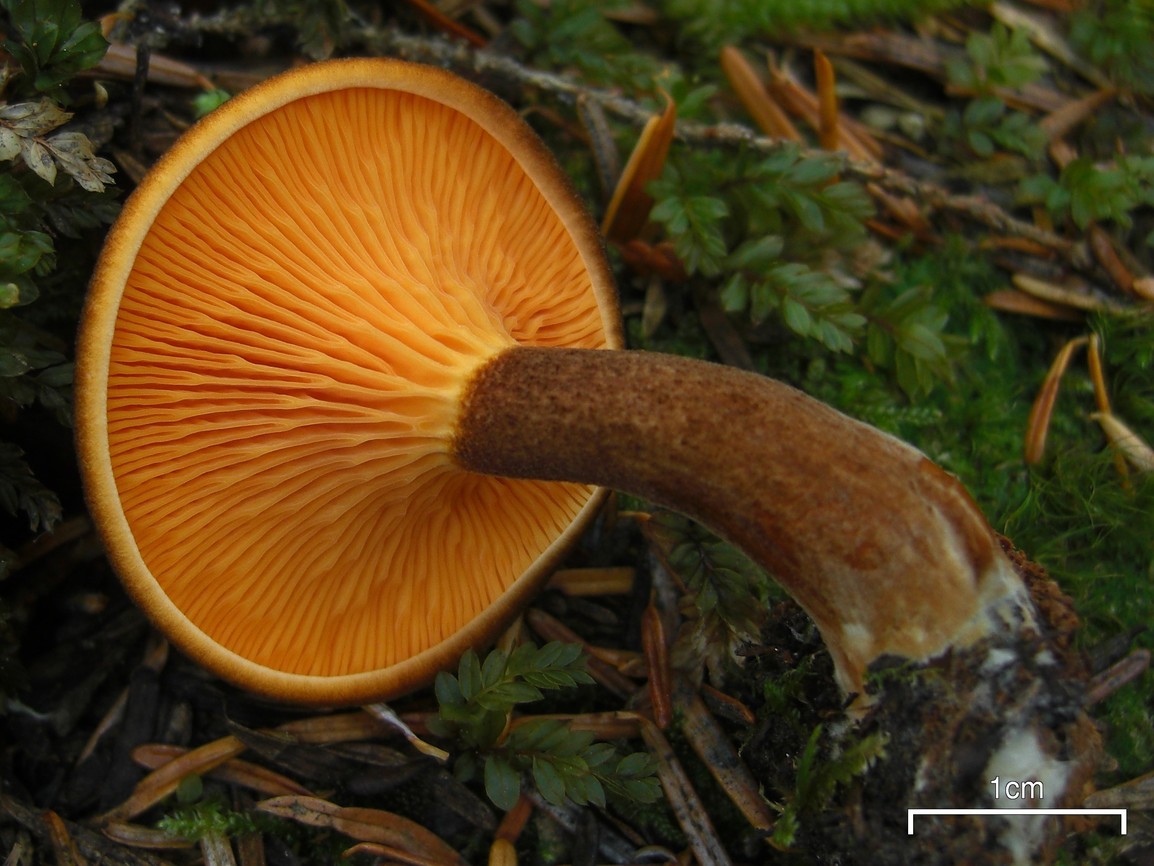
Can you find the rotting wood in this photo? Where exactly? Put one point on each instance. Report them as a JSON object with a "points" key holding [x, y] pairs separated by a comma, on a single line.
{"points": [[685, 802], [718, 754], [91, 844]]}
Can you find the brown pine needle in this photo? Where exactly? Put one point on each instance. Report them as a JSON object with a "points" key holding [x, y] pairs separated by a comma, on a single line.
{"points": [[1102, 398], [139, 836], [1060, 122], [628, 211], [515, 820], [64, 846], [1059, 294], [164, 780], [1043, 409], [657, 655], [415, 842], [854, 138], [443, 22], [616, 580], [1132, 446], [236, 771], [337, 728], [829, 128], [385, 713], [1143, 287], [1013, 301], [766, 113], [1094, 361], [1102, 246]]}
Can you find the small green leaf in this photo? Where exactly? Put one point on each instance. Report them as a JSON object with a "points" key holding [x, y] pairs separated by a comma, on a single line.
{"points": [[756, 255], [190, 789], [9, 295], [806, 209], [557, 654], [493, 669], [635, 765], [796, 316], [561, 679], [469, 675], [961, 73], [813, 171], [980, 143], [709, 208], [209, 101], [502, 782], [734, 294], [447, 689], [670, 211], [22, 491], [538, 735], [647, 790], [762, 301], [588, 789], [13, 197], [598, 754], [524, 32], [13, 363], [505, 696], [51, 41], [980, 47], [548, 781], [523, 658]]}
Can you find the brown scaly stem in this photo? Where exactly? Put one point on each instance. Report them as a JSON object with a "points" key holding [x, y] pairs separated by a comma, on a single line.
{"points": [[886, 552]]}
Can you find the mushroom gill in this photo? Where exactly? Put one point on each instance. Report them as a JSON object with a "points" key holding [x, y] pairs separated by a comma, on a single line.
{"points": [[288, 347]]}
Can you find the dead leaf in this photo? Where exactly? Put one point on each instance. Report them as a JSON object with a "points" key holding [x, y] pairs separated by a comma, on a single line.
{"points": [[366, 825]]}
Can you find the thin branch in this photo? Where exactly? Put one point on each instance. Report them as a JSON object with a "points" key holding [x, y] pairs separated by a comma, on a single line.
{"points": [[932, 196], [461, 57]]}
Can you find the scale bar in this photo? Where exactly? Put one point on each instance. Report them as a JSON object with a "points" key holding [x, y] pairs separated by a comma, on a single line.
{"points": [[1121, 813]]}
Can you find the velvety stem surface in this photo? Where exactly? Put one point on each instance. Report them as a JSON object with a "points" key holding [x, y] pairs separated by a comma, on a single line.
{"points": [[886, 551]]}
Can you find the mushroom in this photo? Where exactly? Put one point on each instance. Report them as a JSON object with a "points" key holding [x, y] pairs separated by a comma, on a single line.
{"points": [[351, 379]]}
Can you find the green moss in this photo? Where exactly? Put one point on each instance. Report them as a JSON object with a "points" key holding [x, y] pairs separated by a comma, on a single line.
{"points": [[713, 23], [1129, 722]]}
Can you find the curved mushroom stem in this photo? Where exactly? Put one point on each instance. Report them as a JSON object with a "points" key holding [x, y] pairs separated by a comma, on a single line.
{"points": [[886, 551]]}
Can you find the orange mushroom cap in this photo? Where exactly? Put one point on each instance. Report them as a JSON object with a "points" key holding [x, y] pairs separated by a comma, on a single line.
{"points": [[276, 338]]}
